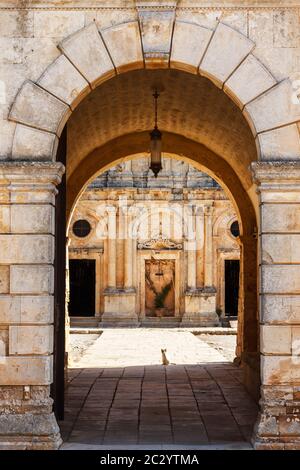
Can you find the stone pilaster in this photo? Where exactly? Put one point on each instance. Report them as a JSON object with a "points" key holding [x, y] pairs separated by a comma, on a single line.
{"points": [[199, 247], [278, 425], [112, 247], [128, 252], [208, 249], [27, 208], [200, 302], [119, 303]]}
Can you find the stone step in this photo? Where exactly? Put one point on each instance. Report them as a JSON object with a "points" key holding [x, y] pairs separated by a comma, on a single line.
{"points": [[161, 322], [84, 322]]}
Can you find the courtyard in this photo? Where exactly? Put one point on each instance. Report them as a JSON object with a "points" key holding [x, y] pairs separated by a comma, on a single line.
{"points": [[120, 394]]}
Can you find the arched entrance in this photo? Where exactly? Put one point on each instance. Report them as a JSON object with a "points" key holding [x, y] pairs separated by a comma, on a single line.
{"points": [[225, 151]]}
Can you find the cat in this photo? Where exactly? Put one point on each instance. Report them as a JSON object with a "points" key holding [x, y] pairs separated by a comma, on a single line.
{"points": [[164, 357]]}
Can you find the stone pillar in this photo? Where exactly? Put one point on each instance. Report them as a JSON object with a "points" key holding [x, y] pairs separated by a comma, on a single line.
{"points": [[27, 208], [208, 249], [128, 251], [278, 425], [112, 247]]}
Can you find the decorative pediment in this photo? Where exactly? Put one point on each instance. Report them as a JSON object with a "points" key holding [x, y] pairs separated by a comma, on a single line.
{"points": [[159, 244]]}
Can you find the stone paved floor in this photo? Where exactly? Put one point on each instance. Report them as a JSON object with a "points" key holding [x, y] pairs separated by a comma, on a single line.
{"points": [[119, 393]]}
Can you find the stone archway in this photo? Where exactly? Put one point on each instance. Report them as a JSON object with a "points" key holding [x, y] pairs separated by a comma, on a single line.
{"points": [[88, 59]]}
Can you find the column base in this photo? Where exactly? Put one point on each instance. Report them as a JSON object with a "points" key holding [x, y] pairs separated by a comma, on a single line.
{"points": [[29, 431], [200, 308], [278, 424], [119, 308]]}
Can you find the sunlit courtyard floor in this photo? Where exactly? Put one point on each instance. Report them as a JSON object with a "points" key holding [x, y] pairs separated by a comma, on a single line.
{"points": [[120, 394]]}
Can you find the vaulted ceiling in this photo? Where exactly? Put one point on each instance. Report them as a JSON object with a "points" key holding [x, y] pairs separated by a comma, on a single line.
{"points": [[189, 105]]}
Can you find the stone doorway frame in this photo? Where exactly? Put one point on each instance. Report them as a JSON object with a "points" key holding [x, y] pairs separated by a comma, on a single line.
{"points": [[97, 255], [223, 255], [144, 255], [85, 64]]}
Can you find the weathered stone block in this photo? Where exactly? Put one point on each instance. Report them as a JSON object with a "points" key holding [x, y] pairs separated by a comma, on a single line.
{"points": [[236, 19], [200, 309], [296, 343], [243, 90], [226, 51], [275, 108], [188, 45], [11, 51], [4, 279], [55, 24], [280, 309], [276, 370], [31, 100], [281, 218], [33, 144], [16, 24], [26, 370], [64, 81], [156, 32], [26, 309], [277, 395], [29, 424], [119, 309], [280, 248], [124, 44], [280, 279], [268, 426], [261, 27], [286, 29], [4, 219], [31, 279], [289, 425], [206, 18], [279, 144], [32, 218], [86, 51], [276, 339], [30, 339], [26, 249]]}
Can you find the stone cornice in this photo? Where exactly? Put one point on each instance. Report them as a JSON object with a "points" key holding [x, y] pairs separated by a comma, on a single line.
{"points": [[31, 173], [95, 5], [276, 173]]}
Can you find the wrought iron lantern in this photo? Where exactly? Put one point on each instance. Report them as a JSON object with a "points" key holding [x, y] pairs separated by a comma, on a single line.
{"points": [[155, 142]]}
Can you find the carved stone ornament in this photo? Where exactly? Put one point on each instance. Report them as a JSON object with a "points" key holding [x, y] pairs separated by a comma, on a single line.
{"points": [[159, 244]]}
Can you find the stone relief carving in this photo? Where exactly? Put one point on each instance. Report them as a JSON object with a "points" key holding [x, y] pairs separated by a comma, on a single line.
{"points": [[159, 243]]}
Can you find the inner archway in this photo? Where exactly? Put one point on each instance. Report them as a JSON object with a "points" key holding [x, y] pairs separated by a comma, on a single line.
{"points": [[95, 209], [202, 126]]}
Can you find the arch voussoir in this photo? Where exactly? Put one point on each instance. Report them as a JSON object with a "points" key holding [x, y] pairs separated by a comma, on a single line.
{"points": [[33, 144], [226, 51], [87, 52], [123, 42], [188, 46], [273, 109], [30, 104], [279, 144], [64, 81], [249, 80]]}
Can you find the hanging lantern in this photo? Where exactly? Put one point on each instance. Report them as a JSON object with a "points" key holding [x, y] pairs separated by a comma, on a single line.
{"points": [[155, 143]]}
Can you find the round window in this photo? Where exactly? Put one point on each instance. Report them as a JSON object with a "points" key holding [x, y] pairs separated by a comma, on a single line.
{"points": [[81, 228], [234, 229]]}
